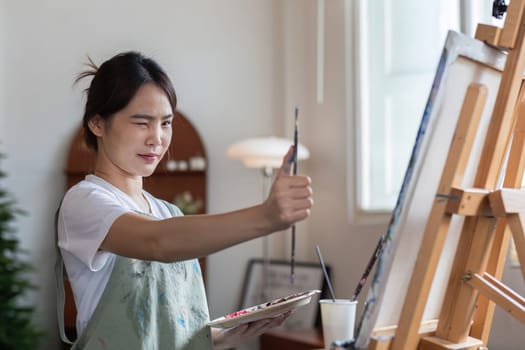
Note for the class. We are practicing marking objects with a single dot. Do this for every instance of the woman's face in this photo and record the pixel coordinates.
(135, 139)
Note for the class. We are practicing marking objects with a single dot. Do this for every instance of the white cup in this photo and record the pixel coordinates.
(338, 319)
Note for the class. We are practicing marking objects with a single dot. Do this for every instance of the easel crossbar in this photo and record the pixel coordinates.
(500, 294)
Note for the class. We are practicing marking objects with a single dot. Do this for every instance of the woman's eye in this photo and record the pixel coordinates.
(166, 123)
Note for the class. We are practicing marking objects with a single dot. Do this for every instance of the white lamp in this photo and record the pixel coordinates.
(265, 153)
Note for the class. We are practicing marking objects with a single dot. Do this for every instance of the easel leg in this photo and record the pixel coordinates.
(437, 225)
(482, 321)
(460, 300)
(515, 171)
(516, 223)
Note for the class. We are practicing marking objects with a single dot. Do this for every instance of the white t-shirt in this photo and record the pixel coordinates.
(87, 212)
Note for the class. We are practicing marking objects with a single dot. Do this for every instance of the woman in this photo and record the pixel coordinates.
(131, 258)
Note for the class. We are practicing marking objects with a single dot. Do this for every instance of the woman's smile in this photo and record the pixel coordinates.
(150, 157)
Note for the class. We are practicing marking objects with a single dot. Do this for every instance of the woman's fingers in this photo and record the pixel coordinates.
(289, 201)
(292, 193)
(290, 197)
(259, 327)
(240, 334)
(287, 164)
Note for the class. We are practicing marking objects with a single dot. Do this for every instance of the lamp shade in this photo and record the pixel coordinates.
(264, 152)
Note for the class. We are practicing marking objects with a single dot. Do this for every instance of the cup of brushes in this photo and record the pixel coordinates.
(338, 315)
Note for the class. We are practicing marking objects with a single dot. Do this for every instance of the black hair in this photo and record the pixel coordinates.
(116, 82)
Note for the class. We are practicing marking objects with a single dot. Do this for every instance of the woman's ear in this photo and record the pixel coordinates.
(96, 125)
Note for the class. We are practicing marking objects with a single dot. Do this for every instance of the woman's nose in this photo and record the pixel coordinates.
(155, 135)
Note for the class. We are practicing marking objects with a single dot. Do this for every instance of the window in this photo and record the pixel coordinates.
(397, 45)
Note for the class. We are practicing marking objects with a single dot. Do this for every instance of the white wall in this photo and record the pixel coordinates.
(239, 67)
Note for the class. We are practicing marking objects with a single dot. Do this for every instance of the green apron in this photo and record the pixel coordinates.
(146, 305)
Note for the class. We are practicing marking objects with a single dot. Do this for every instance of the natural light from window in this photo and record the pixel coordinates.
(399, 44)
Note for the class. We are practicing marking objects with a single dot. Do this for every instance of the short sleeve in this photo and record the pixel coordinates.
(85, 217)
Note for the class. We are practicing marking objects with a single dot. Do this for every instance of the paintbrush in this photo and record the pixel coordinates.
(295, 146)
(371, 262)
(325, 272)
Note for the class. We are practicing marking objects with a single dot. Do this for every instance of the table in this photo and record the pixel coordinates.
(296, 339)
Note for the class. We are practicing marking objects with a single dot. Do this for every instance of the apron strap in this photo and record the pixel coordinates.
(174, 210)
(61, 295)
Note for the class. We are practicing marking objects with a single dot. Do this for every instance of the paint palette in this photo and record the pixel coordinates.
(267, 310)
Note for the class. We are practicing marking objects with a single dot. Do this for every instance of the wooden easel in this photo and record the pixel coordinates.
(489, 215)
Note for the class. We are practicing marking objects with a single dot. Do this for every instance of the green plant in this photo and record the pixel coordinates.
(17, 330)
(187, 204)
